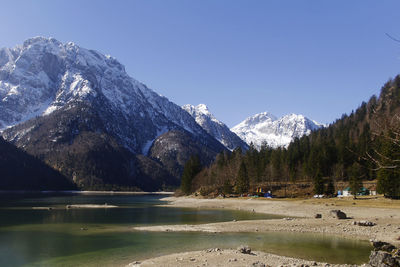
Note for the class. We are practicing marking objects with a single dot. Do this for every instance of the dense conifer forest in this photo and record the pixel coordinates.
(21, 171)
(362, 146)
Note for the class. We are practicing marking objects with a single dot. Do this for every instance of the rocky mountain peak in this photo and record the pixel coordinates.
(61, 98)
(265, 128)
(44, 75)
(214, 127)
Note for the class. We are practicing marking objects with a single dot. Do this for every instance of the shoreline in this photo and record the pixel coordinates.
(75, 192)
(229, 258)
(300, 218)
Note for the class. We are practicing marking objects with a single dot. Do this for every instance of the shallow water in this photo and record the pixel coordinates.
(104, 237)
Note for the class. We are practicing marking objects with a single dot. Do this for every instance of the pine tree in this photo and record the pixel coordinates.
(242, 180)
(318, 184)
(276, 161)
(330, 188)
(191, 168)
(227, 187)
(388, 183)
(389, 174)
(355, 179)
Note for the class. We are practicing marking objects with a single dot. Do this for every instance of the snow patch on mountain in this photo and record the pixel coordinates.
(148, 144)
(266, 129)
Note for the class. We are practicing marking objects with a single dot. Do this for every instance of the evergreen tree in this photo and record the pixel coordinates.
(389, 183)
(318, 184)
(389, 173)
(355, 179)
(276, 161)
(191, 168)
(220, 159)
(330, 188)
(227, 188)
(242, 180)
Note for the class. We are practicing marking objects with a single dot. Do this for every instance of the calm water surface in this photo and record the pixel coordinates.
(104, 237)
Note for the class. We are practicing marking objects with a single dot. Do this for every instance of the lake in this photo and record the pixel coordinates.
(104, 237)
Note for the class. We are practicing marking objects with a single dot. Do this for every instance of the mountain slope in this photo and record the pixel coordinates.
(214, 127)
(21, 171)
(53, 94)
(265, 128)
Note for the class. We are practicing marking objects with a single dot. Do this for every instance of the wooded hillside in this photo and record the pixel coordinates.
(364, 145)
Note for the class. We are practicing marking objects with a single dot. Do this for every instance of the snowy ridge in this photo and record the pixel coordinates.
(43, 76)
(214, 127)
(265, 128)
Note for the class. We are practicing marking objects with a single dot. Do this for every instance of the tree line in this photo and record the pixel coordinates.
(364, 145)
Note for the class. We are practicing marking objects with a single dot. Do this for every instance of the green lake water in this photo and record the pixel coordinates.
(104, 237)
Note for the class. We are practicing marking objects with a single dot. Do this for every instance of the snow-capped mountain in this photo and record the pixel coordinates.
(265, 128)
(53, 93)
(214, 127)
(44, 75)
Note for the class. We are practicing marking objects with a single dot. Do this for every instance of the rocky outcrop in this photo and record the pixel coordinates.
(384, 255)
(244, 249)
(364, 223)
(338, 214)
(384, 246)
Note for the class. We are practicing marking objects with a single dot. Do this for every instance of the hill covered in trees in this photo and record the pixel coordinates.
(364, 145)
(21, 171)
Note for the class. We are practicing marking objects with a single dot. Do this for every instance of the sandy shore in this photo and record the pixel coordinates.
(226, 257)
(300, 217)
(90, 206)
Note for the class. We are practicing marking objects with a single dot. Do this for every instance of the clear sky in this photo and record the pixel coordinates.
(319, 58)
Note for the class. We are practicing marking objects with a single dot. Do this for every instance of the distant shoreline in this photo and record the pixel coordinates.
(69, 192)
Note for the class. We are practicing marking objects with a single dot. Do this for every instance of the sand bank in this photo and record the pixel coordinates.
(300, 217)
(90, 206)
(226, 257)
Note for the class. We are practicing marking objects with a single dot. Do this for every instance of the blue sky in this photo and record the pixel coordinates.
(317, 58)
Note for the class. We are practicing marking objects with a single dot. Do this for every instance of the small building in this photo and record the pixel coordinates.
(346, 192)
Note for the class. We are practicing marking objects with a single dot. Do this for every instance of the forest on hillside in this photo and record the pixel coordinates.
(362, 146)
(21, 171)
